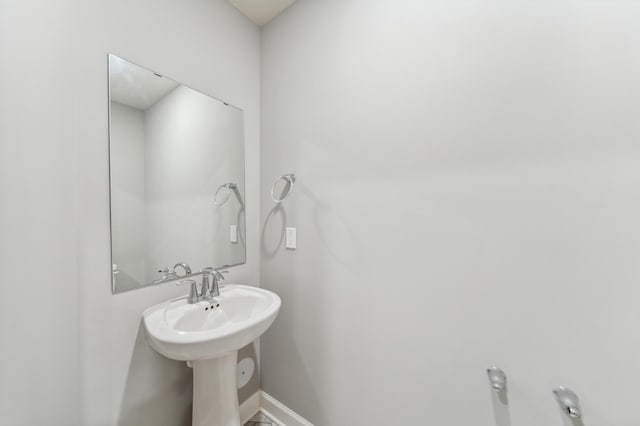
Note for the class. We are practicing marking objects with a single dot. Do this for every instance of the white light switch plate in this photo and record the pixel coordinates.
(233, 234)
(291, 239)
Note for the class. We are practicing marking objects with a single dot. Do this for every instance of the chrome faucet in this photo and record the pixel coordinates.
(187, 269)
(204, 286)
(216, 277)
(193, 297)
(208, 289)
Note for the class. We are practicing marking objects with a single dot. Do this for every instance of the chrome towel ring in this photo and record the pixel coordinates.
(290, 180)
(220, 200)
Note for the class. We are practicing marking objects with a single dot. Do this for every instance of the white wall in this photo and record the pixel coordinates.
(467, 194)
(126, 151)
(194, 144)
(39, 353)
(71, 352)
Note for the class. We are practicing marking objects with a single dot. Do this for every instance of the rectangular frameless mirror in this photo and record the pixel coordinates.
(176, 176)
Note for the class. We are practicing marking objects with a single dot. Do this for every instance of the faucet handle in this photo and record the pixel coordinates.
(193, 297)
(222, 277)
(167, 273)
(216, 274)
(204, 287)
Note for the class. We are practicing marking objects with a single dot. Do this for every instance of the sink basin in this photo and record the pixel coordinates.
(209, 334)
(205, 330)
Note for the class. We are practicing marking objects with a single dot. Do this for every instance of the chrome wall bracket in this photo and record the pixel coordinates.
(289, 180)
(223, 193)
(569, 401)
(497, 378)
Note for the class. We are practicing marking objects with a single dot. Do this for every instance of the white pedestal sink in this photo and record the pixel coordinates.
(209, 334)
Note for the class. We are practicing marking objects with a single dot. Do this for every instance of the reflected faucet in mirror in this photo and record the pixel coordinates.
(171, 274)
(184, 266)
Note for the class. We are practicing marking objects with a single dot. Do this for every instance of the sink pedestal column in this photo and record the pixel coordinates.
(215, 393)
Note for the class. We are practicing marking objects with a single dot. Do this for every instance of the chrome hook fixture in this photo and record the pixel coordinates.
(218, 201)
(569, 401)
(290, 180)
(497, 378)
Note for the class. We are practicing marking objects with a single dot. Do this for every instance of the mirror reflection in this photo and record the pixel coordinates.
(177, 177)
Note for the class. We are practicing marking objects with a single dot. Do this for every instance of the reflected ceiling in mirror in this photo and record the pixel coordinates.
(176, 159)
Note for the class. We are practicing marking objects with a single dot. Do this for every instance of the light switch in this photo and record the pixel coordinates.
(233, 234)
(291, 240)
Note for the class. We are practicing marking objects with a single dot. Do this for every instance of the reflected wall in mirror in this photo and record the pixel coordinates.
(177, 177)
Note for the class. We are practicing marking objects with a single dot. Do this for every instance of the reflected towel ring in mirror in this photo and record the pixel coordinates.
(219, 199)
(289, 180)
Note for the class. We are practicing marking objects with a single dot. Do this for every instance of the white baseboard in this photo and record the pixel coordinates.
(280, 413)
(272, 408)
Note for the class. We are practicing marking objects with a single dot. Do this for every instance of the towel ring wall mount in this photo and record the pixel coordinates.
(290, 180)
(219, 200)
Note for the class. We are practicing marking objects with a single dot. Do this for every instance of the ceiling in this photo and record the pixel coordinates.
(261, 11)
(137, 87)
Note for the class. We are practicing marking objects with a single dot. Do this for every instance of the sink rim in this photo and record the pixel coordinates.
(162, 332)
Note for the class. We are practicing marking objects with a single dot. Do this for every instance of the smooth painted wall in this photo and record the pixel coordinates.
(73, 354)
(467, 195)
(127, 165)
(39, 306)
(194, 145)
